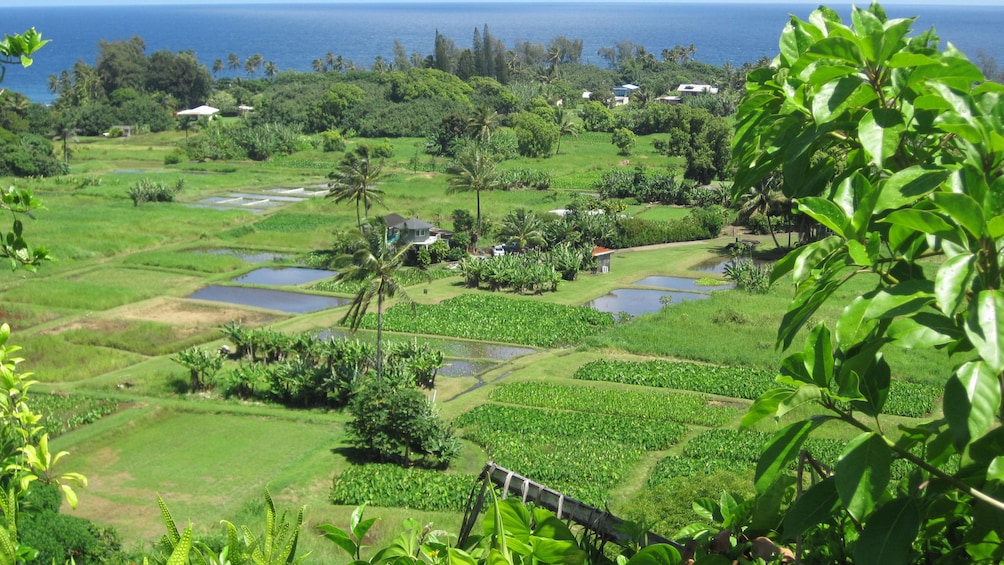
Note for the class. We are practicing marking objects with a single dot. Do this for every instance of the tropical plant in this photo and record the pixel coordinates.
(473, 170)
(522, 228)
(375, 265)
(356, 180)
(896, 149)
(565, 126)
(202, 366)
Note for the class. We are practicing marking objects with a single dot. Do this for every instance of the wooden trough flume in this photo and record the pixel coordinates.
(604, 525)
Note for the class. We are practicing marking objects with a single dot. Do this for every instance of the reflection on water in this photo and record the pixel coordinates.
(248, 256)
(680, 283)
(282, 276)
(284, 301)
(635, 301)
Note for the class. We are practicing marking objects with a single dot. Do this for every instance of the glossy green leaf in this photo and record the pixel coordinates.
(963, 210)
(659, 554)
(456, 556)
(908, 185)
(781, 450)
(818, 356)
(889, 533)
(972, 402)
(995, 471)
(903, 299)
(805, 394)
(708, 509)
(829, 103)
(852, 324)
(904, 59)
(926, 329)
(952, 281)
(879, 131)
(546, 550)
(985, 328)
(340, 538)
(835, 48)
(862, 474)
(874, 384)
(924, 222)
(765, 406)
(816, 506)
(825, 212)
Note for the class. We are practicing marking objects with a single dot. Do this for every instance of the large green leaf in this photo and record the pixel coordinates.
(908, 185)
(765, 406)
(880, 131)
(964, 210)
(889, 533)
(952, 281)
(781, 450)
(815, 506)
(972, 402)
(985, 328)
(862, 474)
(927, 329)
(924, 222)
(904, 299)
(829, 103)
(659, 554)
(825, 212)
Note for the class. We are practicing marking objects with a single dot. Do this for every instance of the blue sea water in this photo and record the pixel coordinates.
(293, 35)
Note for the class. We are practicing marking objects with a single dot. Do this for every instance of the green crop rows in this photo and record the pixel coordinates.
(61, 414)
(905, 398)
(393, 486)
(580, 454)
(496, 318)
(654, 405)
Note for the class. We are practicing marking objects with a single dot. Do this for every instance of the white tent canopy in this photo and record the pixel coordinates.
(199, 111)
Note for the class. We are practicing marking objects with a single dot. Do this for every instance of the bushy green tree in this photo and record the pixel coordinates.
(536, 136)
(896, 148)
(624, 139)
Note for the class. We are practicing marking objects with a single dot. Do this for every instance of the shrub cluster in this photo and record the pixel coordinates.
(147, 190)
(643, 185)
(749, 276)
(522, 178)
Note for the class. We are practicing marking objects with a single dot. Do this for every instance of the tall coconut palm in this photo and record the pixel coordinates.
(374, 264)
(481, 124)
(318, 66)
(473, 170)
(763, 198)
(565, 126)
(523, 228)
(270, 69)
(356, 179)
(217, 67)
(233, 62)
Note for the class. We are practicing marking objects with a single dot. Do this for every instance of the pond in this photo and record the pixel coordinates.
(635, 301)
(248, 256)
(462, 368)
(680, 283)
(718, 265)
(281, 300)
(283, 276)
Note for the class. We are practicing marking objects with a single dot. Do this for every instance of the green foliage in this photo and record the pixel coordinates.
(749, 276)
(578, 453)
(496, 318)
(59, 538)
(332, 140)
(684, 408)
(522, 178)
(905, 399)
(62, 413)
(915, 173)
(596, 117)
(19, 202)
(393, 486)
(148, 190)
(394, 423)
(624, 139)
(28, 155)
(643, 184)
(293, 222)
(202, 366)
(535, 136)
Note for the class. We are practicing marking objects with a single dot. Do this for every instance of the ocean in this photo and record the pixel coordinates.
(293, 35)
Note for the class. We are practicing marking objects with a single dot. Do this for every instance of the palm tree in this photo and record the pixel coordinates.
(233, 62)
(481, 124)
(565, 126)
(66, 134)
(329, 61)
(374, 264)
(318, 66)
(763, 198)
(524, 228)
(270, 69)
(473, 170)
(355, 180)
(217, 67)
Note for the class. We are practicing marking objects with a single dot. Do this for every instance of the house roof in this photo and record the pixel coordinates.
(630, 86)
(597, 251)
(697, 88)
(418, 224)
(393, 220)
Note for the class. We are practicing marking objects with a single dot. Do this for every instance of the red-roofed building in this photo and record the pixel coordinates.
(602, 256)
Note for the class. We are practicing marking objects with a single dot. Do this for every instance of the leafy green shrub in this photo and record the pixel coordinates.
(173, 158)
(393, 486)
(624, 139)
(63, 413)
(147, 190)
(332, 140)
(521, 178)
(59, 537)
(749, 276)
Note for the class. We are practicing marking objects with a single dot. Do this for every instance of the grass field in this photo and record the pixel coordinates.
(106, 317)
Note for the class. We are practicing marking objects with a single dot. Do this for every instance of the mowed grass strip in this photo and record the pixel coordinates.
(205, 466)
(187, 261)
(141, 336)
(53, 359)
(100, 289)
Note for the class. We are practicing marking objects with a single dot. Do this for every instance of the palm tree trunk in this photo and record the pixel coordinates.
(379, 336)
(359, 219)
(478, 234)
(770, 228)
